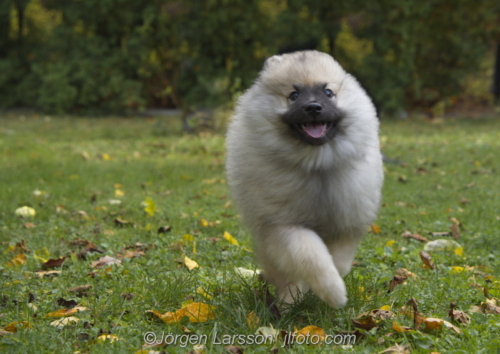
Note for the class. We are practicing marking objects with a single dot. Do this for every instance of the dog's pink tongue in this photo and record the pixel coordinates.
(315, 130)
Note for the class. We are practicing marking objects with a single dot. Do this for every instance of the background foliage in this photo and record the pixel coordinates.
(108, 56)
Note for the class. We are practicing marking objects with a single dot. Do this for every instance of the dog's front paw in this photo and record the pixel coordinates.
(334, 293)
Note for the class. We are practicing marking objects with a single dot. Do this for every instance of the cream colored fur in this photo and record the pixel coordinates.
(306, 206)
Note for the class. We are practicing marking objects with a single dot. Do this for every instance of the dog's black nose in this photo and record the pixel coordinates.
(313, 109)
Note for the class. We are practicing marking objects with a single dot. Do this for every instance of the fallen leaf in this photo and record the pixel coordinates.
(403, 272)
(247, 273)
(63, 312)
(267, 331)
(149, 206)
(53, 263)
(66, 303)
(122, 223)
(398, 328)
(310, 331)
(440, 234)
(397, 349)
(433, 323)
(189, 263)
(233, 349)
(252, 320)
(42, 273)
(105, 261)
(427, 260)
(28, 225)
(416, 237)
(396, 281)
(81, 290)
(18, 260)
(195, 311)
(457, 315)
(203, 293)
(164, 229)
(62, 322)
(119, 193)
(454, 231)
(227, 236)
(452, 327)
(375, 229)
(444, 245)
(25, 211)
(107, 337)
(13, 327)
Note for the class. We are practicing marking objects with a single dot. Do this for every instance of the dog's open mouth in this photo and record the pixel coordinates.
(315, 133)
(316, 129)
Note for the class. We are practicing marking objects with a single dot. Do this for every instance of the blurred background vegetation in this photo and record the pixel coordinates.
(96, 57)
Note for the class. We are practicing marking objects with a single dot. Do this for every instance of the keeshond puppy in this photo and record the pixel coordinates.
(305, 170)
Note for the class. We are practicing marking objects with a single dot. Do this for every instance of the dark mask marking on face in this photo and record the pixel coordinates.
(313, 116)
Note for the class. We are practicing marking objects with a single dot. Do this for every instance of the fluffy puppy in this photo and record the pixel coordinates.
(305, 170)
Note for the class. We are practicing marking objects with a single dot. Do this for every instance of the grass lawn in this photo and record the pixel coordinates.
(105, 187)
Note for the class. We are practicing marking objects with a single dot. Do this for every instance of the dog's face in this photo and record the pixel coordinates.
(312, 115)
(305, 85)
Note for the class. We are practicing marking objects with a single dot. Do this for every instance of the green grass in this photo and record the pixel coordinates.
(447, 170)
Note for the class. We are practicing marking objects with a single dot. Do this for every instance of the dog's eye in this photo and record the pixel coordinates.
(329, 93)
(294, 95)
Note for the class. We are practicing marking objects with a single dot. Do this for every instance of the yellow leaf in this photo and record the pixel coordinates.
(42, 255)
(63, 312)
(189, 263)
(25, 211)
(203, 222)
(253, 320)
(386, 308)
(375, 229)
(310, 331)
(105, 157)
(195, 311)
(107, 337)
(230, 238)
(10, 248)
(457, 269)
(399, 328)
(119, 193)
(390, 243)
(203, 293)
(188, 238)
(150, 206)
(17, 260)
(433, 323)
(14, 326)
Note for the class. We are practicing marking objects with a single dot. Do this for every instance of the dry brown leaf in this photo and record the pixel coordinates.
(454, 231)
(457, 315)
(396, 281)
(417, 237)
(81, 290)
(53, 263)
(403, 272)
(105, 261)
(427, 260)
(233, 349)
(42, 273)
(397, 349)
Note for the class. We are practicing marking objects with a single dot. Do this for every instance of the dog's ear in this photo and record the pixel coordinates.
(271, 61)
